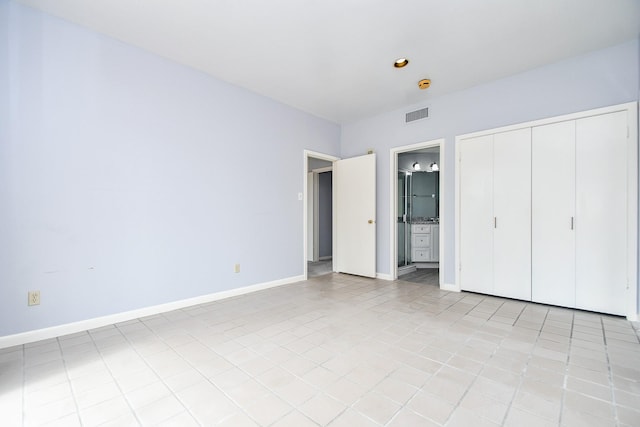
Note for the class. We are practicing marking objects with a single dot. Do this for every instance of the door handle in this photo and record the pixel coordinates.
(495, 222)
(370, 221)
(572, 223)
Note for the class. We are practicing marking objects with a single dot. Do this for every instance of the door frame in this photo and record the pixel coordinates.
(314, 200)
(307, 154)
(393, 226)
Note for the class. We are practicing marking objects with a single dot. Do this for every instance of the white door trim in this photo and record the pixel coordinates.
(393, 226)
(314, 197)
(305, 202)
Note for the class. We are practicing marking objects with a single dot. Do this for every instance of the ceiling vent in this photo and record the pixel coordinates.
(417, 115)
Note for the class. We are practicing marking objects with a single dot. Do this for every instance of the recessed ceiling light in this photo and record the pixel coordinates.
(401, 62)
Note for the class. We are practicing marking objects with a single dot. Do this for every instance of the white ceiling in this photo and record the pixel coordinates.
(334, 58)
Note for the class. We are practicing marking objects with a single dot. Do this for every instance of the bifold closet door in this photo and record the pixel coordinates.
(476, 214)
(601, 213)
(512, 214)
(553, 214)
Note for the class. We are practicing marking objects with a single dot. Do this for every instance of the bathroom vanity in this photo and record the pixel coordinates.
(425, 239)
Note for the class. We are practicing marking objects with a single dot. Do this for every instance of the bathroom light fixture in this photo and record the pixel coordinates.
(434, 167)
(416, 166)
(401, 63)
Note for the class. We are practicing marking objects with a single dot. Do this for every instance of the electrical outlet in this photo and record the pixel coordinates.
(33, 298)
(236, 268)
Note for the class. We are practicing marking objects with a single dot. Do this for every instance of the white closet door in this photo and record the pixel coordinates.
(601, 213)
(512, 214)
(553, 212)
(476, 214)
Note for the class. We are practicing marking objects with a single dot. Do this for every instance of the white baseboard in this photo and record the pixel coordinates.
(97, 322)
(384, 276)
(634, 317)
(452, 287)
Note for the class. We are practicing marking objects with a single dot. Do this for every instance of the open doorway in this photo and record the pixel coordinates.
(318, 202)
(416, 227)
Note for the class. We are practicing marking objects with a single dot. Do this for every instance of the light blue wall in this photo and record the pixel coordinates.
(598, 79)
(128, 180)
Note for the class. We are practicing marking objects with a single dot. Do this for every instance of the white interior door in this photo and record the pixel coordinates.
(354, 189)
(553, 212)
(476, 214)
(601, 213)
(512, 214)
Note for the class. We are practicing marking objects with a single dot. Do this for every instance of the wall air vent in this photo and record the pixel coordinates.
(417, 115)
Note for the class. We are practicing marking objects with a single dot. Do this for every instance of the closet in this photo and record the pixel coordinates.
(579, 229)
(547, 211)
(495, 247)
(553, 214)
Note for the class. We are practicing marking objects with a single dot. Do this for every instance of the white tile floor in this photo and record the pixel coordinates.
(339, 351)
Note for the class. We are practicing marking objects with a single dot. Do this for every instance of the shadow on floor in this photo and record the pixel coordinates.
(424, 276)
(319, 268)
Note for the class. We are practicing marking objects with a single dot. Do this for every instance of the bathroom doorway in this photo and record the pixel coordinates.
(417, 212)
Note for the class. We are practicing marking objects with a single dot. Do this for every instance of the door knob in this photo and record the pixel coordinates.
(370, 221)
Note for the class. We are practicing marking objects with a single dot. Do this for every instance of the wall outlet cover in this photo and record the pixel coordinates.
(33, 298)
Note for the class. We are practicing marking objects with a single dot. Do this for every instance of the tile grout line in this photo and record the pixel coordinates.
(484, 366)
(566, 370)
(417, 390)
(24, 383)
(636, 329)
(351, 406)
(610, 374)
(113, 377)
(295, 407)
(162, 378)
(363, 304)
(66, 373)
(222, 391)
(524, 370)
(524, 306)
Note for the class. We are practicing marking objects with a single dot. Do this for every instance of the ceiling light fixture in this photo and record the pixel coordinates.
(434, 167)
(401, 62)
(416, 166)
(424, 83)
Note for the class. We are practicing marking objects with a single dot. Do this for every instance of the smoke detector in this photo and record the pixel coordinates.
(424, 83)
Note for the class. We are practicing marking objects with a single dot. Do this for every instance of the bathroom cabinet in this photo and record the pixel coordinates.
(425, 242)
